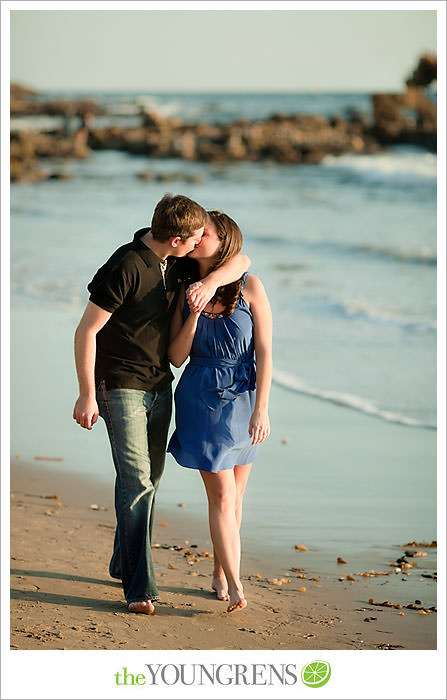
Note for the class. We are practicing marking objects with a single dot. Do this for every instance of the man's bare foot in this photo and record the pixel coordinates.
(220, 586)
(238, 604)
(142, 606)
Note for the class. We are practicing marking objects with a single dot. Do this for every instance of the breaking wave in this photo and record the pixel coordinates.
(288, 381)
(399, 166)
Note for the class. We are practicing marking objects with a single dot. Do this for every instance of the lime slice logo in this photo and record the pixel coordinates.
(316, 674)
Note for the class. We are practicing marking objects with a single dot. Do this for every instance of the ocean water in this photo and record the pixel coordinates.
(347, 252)
(124, 108)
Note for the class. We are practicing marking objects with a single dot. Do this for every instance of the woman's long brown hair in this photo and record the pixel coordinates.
(230, 234)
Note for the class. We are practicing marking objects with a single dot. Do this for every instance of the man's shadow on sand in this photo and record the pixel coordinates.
(95, 604)
(65, 577)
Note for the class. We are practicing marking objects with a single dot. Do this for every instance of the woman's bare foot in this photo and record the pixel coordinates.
(238, 604)
(237, 600)
(220, 586)
(142, 606)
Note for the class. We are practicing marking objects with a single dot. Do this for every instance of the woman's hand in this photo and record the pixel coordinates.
(259, 427)
(199, 294)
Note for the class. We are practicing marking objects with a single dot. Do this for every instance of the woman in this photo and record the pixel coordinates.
(221, 400)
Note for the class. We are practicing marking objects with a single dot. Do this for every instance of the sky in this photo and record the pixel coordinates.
(219, 51)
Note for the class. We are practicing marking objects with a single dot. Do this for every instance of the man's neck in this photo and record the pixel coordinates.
(161, 248)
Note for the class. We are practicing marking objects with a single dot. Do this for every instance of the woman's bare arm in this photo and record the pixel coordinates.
(182, 334)
(256, 297)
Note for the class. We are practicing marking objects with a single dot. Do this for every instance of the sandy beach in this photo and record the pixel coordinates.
(63, 598)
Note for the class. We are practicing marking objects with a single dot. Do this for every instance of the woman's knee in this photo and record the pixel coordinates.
(223, 499)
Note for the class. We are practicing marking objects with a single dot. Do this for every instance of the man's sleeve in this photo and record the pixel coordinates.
(111, 285)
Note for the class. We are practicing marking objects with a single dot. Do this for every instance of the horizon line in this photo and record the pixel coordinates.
(204, 91)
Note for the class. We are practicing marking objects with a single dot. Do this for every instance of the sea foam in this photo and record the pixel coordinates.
(292, 383)
(399, 166)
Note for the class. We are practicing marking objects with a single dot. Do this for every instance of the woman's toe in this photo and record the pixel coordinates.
(237, 605)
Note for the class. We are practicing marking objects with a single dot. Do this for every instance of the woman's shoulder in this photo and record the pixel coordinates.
(252, 283)
(253, 288)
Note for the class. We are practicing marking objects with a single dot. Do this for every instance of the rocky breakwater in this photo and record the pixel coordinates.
(281, 138)
(408, 117)
(28, 147)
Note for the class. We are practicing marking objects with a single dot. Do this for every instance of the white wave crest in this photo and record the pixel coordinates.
(288, 381)
(167, 107)
(363, 309)
(424, 255)
(400, 166)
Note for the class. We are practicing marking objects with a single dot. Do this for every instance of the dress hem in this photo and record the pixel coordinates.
(208, 469)
(204, 469)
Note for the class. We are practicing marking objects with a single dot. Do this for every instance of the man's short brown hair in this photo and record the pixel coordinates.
(177, 215)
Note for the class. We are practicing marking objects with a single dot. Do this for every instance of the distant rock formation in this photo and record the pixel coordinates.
(19, 97)
(29, 148)
(409, 117)
(300, 139)
(26, 102)
(425, 72)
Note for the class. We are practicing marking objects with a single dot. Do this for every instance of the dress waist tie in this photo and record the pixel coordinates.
(242, 379)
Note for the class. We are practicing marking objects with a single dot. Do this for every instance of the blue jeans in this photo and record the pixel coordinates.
(137, 423)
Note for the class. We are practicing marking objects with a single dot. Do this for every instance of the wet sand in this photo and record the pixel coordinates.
(63, 598)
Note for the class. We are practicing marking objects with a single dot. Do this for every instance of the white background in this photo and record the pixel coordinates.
(355, 674)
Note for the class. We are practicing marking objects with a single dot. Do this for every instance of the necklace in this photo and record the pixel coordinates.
(163, 266)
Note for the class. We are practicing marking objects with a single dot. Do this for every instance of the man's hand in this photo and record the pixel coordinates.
(86, 412)
(199, 294)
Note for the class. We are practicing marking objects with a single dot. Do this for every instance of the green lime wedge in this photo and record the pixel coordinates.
(316, 674)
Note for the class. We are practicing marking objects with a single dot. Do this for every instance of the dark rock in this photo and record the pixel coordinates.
(391, 125)
(425, 72)
(152, 118)
(148, 176)
(188, 146)
(21, 92)
(26, 170)
(59, 176)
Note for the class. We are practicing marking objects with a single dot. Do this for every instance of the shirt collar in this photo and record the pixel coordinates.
(146, 253)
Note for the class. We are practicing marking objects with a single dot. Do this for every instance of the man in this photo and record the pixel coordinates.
(124, 375)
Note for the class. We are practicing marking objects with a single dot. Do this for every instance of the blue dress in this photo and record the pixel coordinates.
(216, 394)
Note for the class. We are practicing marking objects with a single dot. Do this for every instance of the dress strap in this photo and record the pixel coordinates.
(243, 278)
